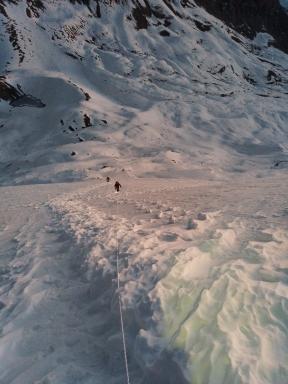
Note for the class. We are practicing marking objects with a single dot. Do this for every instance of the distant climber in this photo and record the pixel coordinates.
(107, 179)
(87, 121)
(117, 186)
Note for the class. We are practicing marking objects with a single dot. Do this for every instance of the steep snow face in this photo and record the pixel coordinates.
(153, 88)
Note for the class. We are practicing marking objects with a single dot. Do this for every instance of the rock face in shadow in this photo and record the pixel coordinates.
(7, 91)
(16, 97)
(249, 17)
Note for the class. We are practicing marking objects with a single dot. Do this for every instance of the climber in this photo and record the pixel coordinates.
(117, 186)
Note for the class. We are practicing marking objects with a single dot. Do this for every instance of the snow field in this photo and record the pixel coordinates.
(210, 297)
(203, 236)
(157, 107)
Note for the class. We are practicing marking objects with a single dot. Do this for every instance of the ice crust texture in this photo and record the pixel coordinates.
(190, 115)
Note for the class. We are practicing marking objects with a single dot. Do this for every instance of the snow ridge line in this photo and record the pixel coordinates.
(120, 305)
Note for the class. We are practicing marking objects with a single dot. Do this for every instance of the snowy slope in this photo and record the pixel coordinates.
(203, 98)
(191, 117)
(203, 277)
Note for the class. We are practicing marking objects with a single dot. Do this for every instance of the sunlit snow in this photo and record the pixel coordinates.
(193, 124)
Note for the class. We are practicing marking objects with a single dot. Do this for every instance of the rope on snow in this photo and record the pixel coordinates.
(120, 306)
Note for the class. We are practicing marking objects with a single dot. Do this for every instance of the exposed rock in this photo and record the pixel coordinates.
(202, 27)
(164, 33)
(249, 17)
(273, 77)
(87, 96)
(34, 7)
(7, 91)
(16, 97)
(140, 14)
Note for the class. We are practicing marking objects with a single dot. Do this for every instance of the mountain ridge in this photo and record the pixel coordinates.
(185, 90)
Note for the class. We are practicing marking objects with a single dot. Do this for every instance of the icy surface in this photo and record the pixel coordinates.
(194, 126)
(204, 289)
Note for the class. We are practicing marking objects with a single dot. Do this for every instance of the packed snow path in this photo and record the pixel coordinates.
(203, 281)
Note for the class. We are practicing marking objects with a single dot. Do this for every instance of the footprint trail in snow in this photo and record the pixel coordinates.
(205, 290)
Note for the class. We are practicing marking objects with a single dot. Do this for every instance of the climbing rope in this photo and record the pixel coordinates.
(120, 305)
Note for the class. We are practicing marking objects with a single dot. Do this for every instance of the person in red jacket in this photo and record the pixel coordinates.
(117, 186)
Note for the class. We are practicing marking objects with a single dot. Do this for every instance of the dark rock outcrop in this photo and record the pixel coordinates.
(249, 17)
(16, 97)
(8, 92)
